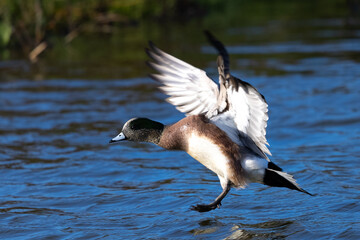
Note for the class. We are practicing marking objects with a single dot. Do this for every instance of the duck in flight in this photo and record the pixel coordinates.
(224, 128)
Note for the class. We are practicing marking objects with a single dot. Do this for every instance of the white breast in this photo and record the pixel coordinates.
(208, 154)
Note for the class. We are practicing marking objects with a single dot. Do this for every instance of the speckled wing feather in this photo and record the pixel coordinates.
(189, 88)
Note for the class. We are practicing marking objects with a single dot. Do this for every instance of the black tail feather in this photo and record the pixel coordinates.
(276, 178)
(273, 166)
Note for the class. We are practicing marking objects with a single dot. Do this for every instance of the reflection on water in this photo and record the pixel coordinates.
(279, 229)
(264, 230)
(61, 179)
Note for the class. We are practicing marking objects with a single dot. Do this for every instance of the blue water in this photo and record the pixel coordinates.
(60, 179)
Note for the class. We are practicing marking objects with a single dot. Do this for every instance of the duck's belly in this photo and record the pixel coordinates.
(208, 153)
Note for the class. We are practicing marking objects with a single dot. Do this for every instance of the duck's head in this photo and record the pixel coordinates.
(140, 130)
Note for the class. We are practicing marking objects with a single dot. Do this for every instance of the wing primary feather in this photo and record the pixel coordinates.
(189, 89)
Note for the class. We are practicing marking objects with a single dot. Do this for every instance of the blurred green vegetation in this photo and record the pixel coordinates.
(28, 22)
(30, 25)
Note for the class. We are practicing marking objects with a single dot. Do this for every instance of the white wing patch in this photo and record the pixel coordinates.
(245, 120)
(239, 107)
(250, 113)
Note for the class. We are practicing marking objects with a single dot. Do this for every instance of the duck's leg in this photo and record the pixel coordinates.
(215, 204)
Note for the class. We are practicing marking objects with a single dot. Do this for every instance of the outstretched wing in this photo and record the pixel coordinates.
(246, 106)
(189, 88)
(237, 108)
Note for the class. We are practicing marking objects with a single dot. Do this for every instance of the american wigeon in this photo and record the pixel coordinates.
(224, 128)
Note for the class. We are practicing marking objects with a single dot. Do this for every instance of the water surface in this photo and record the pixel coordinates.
(61, 179)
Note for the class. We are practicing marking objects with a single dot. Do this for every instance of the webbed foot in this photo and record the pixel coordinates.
(215, 204)
(205, 207)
